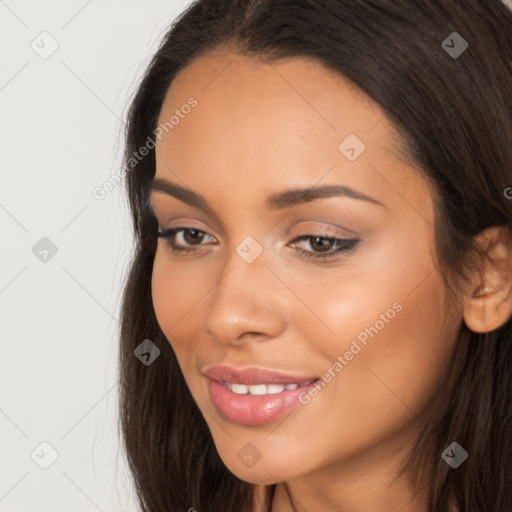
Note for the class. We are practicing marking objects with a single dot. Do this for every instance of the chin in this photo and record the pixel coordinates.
(266, 471)
(260, 476)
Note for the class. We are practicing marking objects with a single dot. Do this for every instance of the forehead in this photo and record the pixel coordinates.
(298, 90)
(268, 124)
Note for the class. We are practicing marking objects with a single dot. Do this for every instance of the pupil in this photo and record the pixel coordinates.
(193, 232)
(322, 246)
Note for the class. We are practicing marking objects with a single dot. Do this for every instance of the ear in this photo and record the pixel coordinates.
(488, 301)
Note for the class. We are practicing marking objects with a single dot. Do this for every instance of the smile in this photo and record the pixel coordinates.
(261, 389)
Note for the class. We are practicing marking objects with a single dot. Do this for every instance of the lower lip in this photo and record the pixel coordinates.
(253, 409)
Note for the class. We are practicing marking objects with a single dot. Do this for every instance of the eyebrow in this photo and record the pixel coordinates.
(276, 201)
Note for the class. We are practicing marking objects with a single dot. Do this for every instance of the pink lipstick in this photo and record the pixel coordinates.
(254, 396)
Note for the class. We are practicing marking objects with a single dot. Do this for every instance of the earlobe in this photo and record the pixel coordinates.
(488, 303)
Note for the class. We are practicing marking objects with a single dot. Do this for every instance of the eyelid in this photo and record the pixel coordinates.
(331, 217)
(181, 222)
(312, 228)
(186, 214)
(327, 230)
(172, 231)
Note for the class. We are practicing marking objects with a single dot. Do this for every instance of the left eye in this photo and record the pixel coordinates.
(343, 246)
(194, 238)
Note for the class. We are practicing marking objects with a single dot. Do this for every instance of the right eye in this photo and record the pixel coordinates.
(186, 236)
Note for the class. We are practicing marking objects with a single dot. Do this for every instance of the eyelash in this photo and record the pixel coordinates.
(346, 245)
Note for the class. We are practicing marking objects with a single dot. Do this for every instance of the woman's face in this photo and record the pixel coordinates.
(256, 291)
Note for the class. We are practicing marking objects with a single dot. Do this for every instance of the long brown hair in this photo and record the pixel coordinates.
(454, 115)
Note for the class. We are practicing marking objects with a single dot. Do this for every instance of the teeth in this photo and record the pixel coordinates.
(259, 389)
(275, 388)
(239, 389)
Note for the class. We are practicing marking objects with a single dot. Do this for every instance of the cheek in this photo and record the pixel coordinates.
(176, 297)
(389, 383)
(391, 326)
(385, 317)
(389, 282)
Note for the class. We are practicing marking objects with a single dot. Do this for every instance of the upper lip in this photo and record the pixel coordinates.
(252, 376)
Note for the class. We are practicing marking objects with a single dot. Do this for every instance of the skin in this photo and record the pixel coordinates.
(260, 129)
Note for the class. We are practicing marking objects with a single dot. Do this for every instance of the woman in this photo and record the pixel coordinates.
(317, 315)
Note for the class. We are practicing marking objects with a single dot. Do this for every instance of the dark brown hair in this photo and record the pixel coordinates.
(454, 116)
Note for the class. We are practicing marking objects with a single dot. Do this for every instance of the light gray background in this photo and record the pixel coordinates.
(61, 127)
(61, 132)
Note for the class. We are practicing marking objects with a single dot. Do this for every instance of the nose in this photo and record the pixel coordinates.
(247, 302)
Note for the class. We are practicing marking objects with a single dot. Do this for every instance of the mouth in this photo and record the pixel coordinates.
(255, 396)
(263, 389)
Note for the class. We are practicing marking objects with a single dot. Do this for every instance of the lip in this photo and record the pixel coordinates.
(251, 376)
(257, 409)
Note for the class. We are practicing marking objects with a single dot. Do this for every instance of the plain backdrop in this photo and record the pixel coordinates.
(64, 253)
(68, 70)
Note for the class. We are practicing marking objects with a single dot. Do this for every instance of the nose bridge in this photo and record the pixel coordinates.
(242, 300)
